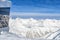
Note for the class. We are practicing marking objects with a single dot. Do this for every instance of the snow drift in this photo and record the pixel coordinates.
(32, 28)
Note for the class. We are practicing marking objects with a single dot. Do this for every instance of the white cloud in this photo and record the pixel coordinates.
(34, 14)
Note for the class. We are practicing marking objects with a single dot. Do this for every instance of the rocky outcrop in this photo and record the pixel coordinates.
(4, 20)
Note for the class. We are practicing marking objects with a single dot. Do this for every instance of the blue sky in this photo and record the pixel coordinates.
(36, 6)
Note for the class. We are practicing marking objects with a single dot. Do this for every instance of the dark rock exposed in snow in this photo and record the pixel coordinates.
(4, 20)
